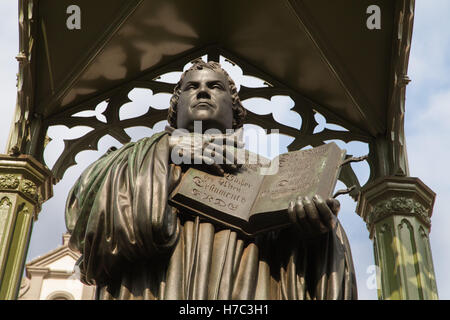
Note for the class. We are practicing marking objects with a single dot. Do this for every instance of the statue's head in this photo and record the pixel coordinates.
(206, 93)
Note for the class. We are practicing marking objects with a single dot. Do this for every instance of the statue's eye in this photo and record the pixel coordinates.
(216, 85)
(190, 86)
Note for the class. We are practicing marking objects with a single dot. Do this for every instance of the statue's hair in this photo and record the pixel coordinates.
(239, 112)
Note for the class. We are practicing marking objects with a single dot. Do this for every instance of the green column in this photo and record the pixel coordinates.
(397, 211)
(24, 185)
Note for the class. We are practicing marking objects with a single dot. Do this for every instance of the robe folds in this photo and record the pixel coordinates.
(134, 245)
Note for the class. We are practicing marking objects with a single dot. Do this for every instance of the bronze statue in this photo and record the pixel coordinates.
(135, 245)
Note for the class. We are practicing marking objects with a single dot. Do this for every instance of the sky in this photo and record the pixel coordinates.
(427, 129)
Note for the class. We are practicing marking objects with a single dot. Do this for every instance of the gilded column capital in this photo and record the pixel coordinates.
(399, 205)
(15, 182)
(394, 195)
(9, 182)
(25, 176)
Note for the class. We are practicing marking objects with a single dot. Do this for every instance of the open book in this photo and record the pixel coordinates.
(251, 202)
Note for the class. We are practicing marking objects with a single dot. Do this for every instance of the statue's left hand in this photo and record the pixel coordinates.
(315, 216)
(215, 152)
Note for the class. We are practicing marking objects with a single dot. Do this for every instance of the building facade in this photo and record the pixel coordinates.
(53, 276)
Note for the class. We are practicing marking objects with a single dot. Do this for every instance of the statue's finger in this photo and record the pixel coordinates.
(325, 213)
(230, 155)
(218, 149)
(217, 169)
(215, 152)
(291, 212)
(300, 211)
(334, 205)
(202, 159)
(313, 215)
(232, 168)
(233, 141)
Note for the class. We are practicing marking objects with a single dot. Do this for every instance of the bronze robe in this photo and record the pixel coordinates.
(136, 246)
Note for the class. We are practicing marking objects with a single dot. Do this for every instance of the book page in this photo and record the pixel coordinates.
(304, 172)
(232, 194)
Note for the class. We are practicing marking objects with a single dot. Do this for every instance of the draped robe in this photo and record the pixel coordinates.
(134, 245)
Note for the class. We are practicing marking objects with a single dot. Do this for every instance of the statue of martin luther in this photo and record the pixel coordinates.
(134, 245)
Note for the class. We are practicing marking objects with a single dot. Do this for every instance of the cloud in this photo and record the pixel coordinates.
(428, 122)
(8, 66)
(428, 141)
(431, 43)
(435, 115)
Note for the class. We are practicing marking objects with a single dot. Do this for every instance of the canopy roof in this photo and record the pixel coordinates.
(319, 49)
(322, 49)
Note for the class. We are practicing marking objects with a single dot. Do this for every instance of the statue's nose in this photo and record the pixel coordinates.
(203, 93)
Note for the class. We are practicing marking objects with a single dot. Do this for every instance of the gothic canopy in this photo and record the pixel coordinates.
(346, 59)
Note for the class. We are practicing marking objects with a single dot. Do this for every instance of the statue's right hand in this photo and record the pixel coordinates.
(216, 152)
(313, 217)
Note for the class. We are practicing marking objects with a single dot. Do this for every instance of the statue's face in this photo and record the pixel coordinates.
(205, 95)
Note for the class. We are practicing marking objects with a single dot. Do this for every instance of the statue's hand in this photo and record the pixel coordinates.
(313, 217)
(215, 152)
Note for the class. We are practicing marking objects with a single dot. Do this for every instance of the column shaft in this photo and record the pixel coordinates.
(24, 185)
(397, 211)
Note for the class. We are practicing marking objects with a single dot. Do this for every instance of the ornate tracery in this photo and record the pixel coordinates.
(112, 124)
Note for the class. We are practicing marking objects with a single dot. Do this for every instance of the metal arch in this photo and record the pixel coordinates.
(119, 96)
